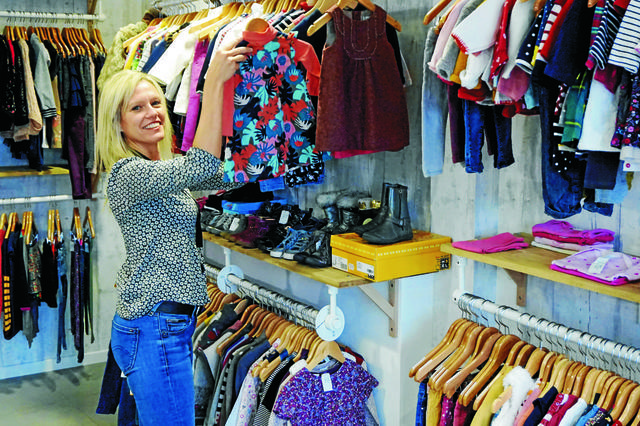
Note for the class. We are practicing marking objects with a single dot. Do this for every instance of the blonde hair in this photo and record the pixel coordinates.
(111, 145)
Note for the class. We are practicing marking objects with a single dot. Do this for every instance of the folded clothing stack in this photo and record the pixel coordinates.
(601, 265)
(559, 235)
(500, 242)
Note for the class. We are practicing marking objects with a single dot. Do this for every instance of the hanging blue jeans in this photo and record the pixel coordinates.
(481, 121)
(561, 192)
(155, 354)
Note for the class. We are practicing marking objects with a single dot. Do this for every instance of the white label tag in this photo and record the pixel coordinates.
(339, 262)
(598, 265)
(327, 386)
(234, 224)
(365, 268)
(284, 217)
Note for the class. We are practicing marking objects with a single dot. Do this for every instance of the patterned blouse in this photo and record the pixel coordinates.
(340, 398)
(269, 118)
(157, 217)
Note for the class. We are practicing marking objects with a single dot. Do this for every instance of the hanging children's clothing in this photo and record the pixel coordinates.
(268, 116)
(361, 105)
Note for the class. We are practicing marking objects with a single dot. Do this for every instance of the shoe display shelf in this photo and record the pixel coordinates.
(10, 172)
(536, 261)
(334, 278)
(329, 276)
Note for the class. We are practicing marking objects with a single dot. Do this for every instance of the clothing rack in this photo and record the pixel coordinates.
(51, 15)
(29, 200)
(588, 348)
(298, 312)
(177, 7)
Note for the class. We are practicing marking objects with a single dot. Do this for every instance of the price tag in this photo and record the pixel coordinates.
(234, 224)
(598, 265)
(284, 217)
(327, 386)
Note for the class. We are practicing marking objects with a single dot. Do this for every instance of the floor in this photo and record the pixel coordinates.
(65, 397)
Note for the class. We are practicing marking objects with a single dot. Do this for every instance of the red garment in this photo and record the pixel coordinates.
(361, 105)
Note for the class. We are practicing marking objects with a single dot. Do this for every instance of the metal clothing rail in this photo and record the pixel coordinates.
(176, 7)
(580, 346)
(43, 199)
(298, 312)
(51, 15)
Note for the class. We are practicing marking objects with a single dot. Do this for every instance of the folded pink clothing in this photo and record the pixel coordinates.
(501, 242)
(605, 266)
(561, 230)
(572, 246)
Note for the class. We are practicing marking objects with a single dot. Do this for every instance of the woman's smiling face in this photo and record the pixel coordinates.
(143, 119)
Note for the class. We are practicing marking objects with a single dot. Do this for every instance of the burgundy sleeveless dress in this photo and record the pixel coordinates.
(361, 102)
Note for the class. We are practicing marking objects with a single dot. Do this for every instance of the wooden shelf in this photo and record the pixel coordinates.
(330, 276)
(9, 172)
(535, 261)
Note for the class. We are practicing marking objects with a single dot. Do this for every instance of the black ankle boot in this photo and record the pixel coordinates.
(396, 226)
(327, 202)
(383, 211)
(347, 204)
(320, 256)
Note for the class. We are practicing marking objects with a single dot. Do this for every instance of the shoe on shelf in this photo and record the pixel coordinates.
(271, 238)
(396, 226)
(257, 227)
(379, 217)
(301, 242)
(286, 244)
(320, 257)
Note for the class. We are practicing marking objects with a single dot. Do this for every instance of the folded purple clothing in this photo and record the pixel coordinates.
(601, 265)
(561, 230)
(501, 242)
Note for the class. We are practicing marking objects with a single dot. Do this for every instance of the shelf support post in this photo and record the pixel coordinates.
(389, 308)
(520, 278)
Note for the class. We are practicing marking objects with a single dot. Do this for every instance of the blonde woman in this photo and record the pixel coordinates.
(161, 282)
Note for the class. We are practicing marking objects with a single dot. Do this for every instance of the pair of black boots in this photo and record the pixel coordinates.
(341, 210)
(392, 224)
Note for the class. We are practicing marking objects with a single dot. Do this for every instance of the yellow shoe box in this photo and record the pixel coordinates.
(421, 255)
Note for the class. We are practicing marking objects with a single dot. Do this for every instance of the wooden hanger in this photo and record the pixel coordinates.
(325, 349)
(498, 355)
(619, 401)
(4, 219)
(607, 399)
(265, 368)
(632, 408)
(482, 353)
(51, 225)
(89, 221)
(447, 349)
(225, 17)
(581, 376)
(326, 17)
(439, 347)
(435, 11)
(546, 366)
(571, 376)
(77, 227)
(535, 361)
(59, 234)
(507, 366)
(27, 229)
(224, 9)
(455, 361)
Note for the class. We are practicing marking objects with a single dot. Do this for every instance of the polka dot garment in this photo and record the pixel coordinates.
(157, 216)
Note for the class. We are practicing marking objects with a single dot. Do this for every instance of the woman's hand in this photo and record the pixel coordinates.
(225, 60)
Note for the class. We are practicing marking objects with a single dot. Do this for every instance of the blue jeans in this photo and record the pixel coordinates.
(486, 121)
(561, 192)
(156, 355)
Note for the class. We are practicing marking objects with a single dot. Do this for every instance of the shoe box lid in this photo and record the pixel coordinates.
(420, 255)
